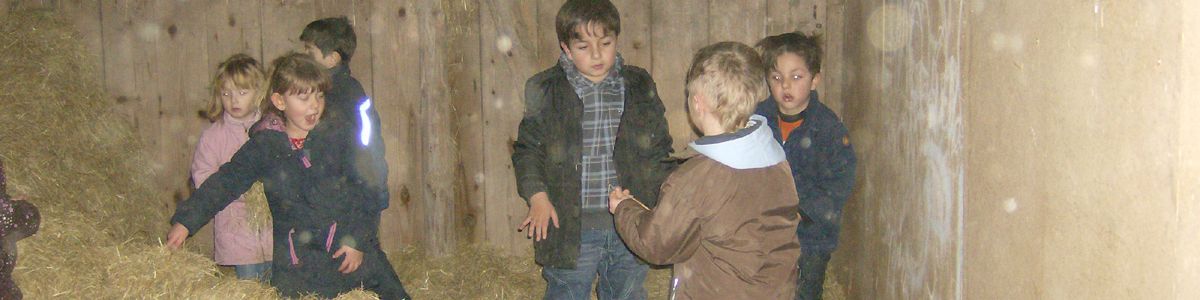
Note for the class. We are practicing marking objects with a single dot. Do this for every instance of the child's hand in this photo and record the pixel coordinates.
(353, 259)
(176, 236)
(615, 197)
(541, 213)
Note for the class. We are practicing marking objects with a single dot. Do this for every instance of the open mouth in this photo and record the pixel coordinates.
(311, 119)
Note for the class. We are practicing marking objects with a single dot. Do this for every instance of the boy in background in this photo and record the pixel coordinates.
(591, 123)
(817, 148)
(348, 150)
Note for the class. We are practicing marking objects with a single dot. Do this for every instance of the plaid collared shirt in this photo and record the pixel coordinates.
(603, 104)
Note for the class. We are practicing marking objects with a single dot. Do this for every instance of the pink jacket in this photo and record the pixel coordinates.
(235, 243)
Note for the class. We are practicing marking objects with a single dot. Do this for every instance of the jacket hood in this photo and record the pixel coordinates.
(749, 148)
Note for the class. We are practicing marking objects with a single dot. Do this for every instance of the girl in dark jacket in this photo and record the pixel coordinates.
(322, 245)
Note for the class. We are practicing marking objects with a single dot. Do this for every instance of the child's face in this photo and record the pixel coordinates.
(593, 54)
(791, 82)
(303, 110)
(327, 61)
(238, 102)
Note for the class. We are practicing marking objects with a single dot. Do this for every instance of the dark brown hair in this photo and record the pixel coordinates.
(331, 35)
(294, 73)
(586, 12)
(803, 45)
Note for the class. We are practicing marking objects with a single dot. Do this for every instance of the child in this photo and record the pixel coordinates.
(237, 93)
(317, 237)
(817, 148)
(726, 217)
(590, 123)
(19, 219)
(348, 138)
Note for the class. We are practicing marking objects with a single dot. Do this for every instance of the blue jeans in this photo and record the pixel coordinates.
(812, 266)
(601, 252)
(257, 271)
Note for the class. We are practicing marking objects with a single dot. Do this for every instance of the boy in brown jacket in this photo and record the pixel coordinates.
(727, 217)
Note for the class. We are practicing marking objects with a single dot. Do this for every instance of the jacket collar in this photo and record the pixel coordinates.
(749, 148)
(244, 125)
(342, 69)
(577, 78)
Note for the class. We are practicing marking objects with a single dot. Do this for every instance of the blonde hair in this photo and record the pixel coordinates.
(245, 73)
(294, 73)
(730, 76)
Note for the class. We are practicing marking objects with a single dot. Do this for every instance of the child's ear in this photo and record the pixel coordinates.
(334, 57)
(816, 81)
(277, 100)
(697, 104)
(566, 49)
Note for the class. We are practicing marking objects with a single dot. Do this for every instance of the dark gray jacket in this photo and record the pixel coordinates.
(546, 155)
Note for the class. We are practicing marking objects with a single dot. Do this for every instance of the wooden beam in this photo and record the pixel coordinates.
(508, 40)
(463, 73)
(394, 29)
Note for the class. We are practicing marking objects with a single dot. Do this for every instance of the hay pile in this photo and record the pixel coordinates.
(84, 168)
(476, 272)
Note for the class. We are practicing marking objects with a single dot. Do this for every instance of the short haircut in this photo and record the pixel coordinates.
(295, 73)
(245, 73)
(331, 35)
(730, 76)
(586, 12)
(803, 45)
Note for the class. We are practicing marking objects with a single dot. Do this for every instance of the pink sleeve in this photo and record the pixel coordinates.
(206, 160)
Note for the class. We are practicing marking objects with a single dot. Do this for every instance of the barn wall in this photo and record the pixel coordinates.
(1021, 149)
(158, 56)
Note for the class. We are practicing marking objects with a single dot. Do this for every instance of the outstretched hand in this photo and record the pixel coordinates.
(176, 236)
(541, 215)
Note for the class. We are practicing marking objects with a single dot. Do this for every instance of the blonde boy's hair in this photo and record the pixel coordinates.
(245, 73)
(730, 76)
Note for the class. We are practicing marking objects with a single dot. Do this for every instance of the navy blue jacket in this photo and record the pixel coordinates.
(338, 145)
(823, 163)
(303, 224)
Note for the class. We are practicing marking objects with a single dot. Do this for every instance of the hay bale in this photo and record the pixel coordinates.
(84, 167)
(258, 213)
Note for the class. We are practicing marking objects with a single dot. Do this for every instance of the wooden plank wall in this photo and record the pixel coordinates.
(158, 56)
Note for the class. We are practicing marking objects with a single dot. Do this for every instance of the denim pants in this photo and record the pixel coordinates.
(601, 253)
(812, 266)
(259, 271)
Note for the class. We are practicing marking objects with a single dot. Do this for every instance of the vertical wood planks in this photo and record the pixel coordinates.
(463, 74)
(282, 21)
(739, 21)
(508, 39)
(439, 152)
(396, 87)
(548, 49)
(679, 33)
(635, 40)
